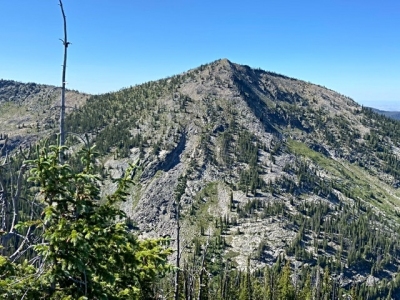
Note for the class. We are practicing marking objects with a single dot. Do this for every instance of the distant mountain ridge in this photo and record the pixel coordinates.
(390, 114)
(28, 111)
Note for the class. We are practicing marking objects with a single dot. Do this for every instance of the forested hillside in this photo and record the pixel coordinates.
(281, 189)
(391, 114)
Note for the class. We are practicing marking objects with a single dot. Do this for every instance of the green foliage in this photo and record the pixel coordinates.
(332, 163)
(247, 152)
(86, 250)
(286, 289)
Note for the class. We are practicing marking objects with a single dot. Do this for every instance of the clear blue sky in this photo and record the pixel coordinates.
(350, 46)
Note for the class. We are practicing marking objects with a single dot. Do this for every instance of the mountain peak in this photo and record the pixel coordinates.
(271, 164)
(224, 61)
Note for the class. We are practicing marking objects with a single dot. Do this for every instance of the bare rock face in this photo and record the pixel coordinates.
(274, 166)
(204, 125)
(257, 149)
(30, 111)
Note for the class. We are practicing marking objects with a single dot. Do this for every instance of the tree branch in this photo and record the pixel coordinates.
(15, 198)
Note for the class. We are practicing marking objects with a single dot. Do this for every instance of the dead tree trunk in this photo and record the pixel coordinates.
(3, 200)
(179, 192)
(62, 107)
(176, 290)
(202, 268)
(7, 231)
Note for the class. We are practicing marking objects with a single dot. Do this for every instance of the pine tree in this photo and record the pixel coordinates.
(245, 288)
(286, 289)
(84, 250)
(327, 286)
(268, 285)
(306, 292)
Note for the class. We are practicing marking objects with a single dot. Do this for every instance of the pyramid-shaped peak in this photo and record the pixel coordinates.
(224, 61)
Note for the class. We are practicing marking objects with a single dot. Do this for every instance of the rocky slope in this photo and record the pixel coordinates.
(29, 111)
(271, 166)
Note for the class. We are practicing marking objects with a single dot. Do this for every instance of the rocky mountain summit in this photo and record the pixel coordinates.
(271, 167)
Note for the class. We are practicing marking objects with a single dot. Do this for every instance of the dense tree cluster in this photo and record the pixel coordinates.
(84, 250)
(336, 230)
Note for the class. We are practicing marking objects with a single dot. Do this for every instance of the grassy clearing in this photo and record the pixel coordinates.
(372, 189)
(198, 217)
(353, 179)
(8, 113)
(299, 148)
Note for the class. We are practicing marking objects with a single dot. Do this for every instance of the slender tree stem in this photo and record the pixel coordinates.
(62, 108)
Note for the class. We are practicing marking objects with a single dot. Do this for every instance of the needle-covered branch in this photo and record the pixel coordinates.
(86, 248)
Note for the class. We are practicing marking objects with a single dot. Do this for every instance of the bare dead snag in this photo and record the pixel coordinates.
(179, 192)
(18, 253)
(3, 209)
(3, 202)
(17, 194)
(15, 197)
(62, 112)
(202, 268)
(2, 149)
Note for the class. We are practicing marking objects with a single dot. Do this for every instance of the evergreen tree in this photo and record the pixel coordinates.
(245, 288)
(327, 286)
(286, 289)
(86, 250)
(306, 292)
